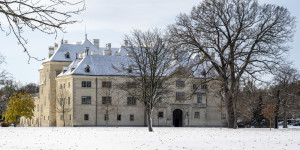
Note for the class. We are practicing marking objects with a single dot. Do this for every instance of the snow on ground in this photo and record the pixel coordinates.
(123, 138)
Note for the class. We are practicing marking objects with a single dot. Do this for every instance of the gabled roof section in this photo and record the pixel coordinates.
(99, 65)
(72, 49)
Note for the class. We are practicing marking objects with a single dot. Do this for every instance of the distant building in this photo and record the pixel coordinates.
(81, 76)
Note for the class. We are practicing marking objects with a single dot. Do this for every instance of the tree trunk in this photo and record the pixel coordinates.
(270, 123)
(277, 110)
(284, 115)
(284, 121)
(230, 112)
(149, 120)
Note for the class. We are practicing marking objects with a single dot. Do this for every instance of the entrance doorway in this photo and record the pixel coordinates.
(177, 118)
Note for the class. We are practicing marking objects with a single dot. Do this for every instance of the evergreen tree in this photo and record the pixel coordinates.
(257, 116)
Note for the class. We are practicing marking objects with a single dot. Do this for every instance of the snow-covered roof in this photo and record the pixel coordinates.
(59, 55)
(105, 65)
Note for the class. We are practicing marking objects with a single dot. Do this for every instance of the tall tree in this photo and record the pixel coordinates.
(243, 36)
(150, 57)
(45, 16)
(21, 104)
(285, 78)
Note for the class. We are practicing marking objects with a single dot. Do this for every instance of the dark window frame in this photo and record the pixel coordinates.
(199, 98)
(180, 84)
(197, 114)
(179, 95)
(119, 117)
(86, 100)
(131, 117)
(106, 84)
(86, 117)
(106, 99)
(131, 101)
(160, 114)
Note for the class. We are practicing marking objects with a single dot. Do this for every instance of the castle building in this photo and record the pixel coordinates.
(77, 88)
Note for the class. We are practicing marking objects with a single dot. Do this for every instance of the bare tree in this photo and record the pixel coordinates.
(63, 104)
(45, 16)
(269, 112)
(3, 73)
(106, 93)
(245, 38)
(285, 78)
(149, 60)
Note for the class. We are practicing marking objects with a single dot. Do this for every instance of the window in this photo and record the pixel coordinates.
(64, 85)
(44, 117)
(48, 117)
(131, 117)
(131, 101)
(106, 100)
(179, 95)
(83, 84)
(119, 117)
(69, 100)
(42, 90)
(131, 84)
(67, 55)
(60, 101)
(197, 115)
(60, 86)
(179, 83)
(88, 84)
(159, 99)
(87, 68)
(61, 117)
(203, 86)
(69, 84)
(106, 84)
(70, 117)
(86, 100)
(41, 108)
(199, 98)
(106, 117)
(86, 116)
(223, 116)
(37, 108)
(160, 114)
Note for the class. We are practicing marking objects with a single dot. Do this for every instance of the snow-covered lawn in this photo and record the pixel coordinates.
(123, 138)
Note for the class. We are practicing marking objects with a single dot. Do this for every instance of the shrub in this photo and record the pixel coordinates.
(4, 124)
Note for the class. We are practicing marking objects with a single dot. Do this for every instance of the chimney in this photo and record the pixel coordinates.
(96, 43)
(126, 42)
(108, 46)
(107, 51)
(55, 46)
(50, 51)
(65, 41)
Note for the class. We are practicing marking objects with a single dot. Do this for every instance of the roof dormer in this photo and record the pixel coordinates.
(87, 68)
(67, 55)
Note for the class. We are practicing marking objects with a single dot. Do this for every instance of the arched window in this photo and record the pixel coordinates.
(67, 55)
(87, 68)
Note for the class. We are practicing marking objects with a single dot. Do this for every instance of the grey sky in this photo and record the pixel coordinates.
(109, 20)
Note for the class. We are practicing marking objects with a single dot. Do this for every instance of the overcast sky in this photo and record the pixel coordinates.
(109, 20)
